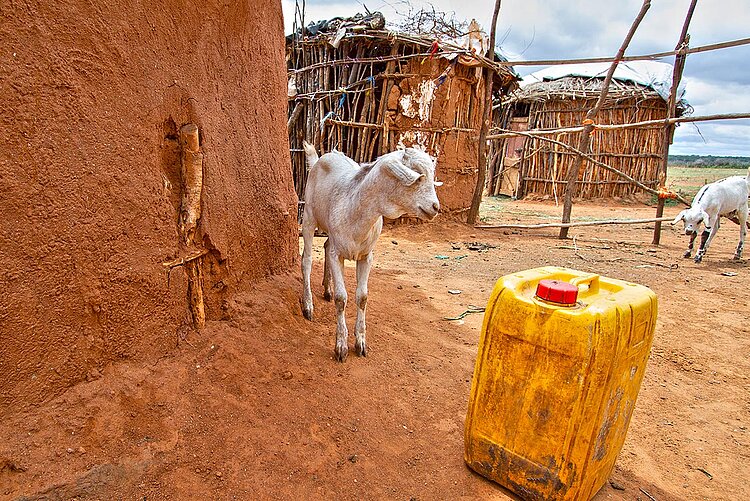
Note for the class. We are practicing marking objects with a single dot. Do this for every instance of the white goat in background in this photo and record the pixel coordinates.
(721, 198)
(348, 201)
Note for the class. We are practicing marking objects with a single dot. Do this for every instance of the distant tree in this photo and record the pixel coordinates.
(709, 161)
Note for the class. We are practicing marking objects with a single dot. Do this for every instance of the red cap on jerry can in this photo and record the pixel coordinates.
(556, 291)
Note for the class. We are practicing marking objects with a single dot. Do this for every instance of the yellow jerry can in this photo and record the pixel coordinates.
(560, 362)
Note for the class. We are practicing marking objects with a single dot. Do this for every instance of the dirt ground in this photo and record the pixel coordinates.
(256, 408)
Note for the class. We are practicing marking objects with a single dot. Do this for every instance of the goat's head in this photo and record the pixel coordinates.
(414, 173)
(692, 219)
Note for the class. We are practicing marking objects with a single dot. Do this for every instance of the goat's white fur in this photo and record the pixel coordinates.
(712, 201)
(348, 201)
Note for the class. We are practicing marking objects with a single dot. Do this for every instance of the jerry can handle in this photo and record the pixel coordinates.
(591, 281)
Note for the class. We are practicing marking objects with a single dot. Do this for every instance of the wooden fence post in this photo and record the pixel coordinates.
(588, 127)
(679, 65)
(489, 77)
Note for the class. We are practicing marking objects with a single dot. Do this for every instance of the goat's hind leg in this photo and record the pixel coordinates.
(327, 289)
(308, 232)
(336, 266)
(743, 233)
(363, 274)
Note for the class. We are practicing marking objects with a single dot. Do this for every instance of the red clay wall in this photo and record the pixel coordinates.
(93, 95)
(455, 106)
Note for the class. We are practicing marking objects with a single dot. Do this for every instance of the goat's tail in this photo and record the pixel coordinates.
(310, 153)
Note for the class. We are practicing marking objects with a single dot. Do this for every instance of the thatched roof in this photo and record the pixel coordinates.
(645, 81)
(369, 30)
(582, 88)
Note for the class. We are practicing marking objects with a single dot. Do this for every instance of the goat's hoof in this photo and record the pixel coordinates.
(686, 255)
(361, 348)
(698, 259)
(341, 353)
(737, 257)
(308, 314)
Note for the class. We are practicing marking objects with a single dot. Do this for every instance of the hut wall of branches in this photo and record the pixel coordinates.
(378, 90)
(524, 166)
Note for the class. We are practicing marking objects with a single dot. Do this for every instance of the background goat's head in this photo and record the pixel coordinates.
(413, 172)
(692, 218)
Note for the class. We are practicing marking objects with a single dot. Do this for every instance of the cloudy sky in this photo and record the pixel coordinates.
(716, 81)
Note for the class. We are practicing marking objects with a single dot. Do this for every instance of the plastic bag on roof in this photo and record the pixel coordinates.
(369, 21)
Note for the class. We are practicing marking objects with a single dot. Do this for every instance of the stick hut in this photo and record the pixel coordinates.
(366, 91)
(521, 166)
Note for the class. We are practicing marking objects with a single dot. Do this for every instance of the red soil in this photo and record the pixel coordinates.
(255, 407)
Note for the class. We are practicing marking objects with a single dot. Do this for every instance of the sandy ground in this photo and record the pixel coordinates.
(256, 408)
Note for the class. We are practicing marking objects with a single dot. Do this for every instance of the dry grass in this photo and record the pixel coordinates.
(688, 180)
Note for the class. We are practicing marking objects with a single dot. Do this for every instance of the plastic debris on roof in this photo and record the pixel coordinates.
(652, 74)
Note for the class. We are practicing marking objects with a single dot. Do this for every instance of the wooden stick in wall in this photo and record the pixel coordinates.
(190, 213)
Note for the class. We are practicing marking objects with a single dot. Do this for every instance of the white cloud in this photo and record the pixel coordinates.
(709, 98)
(725, 137)
(716, 138)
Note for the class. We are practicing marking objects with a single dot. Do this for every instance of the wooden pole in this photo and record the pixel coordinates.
(644, 57)
(571, 225)
(489, 77)
(448, 49)
(572, 177)
(646, 123)
(382, 119)
(190, 213)
(293, 118)
(679, 65)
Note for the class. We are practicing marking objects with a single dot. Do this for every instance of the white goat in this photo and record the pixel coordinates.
(348, 201)
(712, 201)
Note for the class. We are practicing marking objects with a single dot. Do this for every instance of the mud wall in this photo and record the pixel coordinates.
(94, 95)
(444, 118)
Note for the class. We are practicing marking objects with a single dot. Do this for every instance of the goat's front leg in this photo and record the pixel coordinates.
(336, 267)
(363, 274)
(327, 293)
(308, 232)
(706, 237)
(743, 232)
(689, 250)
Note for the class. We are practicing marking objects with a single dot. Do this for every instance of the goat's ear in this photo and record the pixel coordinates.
(679, 217)
(401, 172)
(706, 220)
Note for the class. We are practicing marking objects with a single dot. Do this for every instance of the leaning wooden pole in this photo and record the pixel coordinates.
(489, 77)
(679, 65)
(588, 126)
(662, 122)
(190, 213)
(569, 225)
